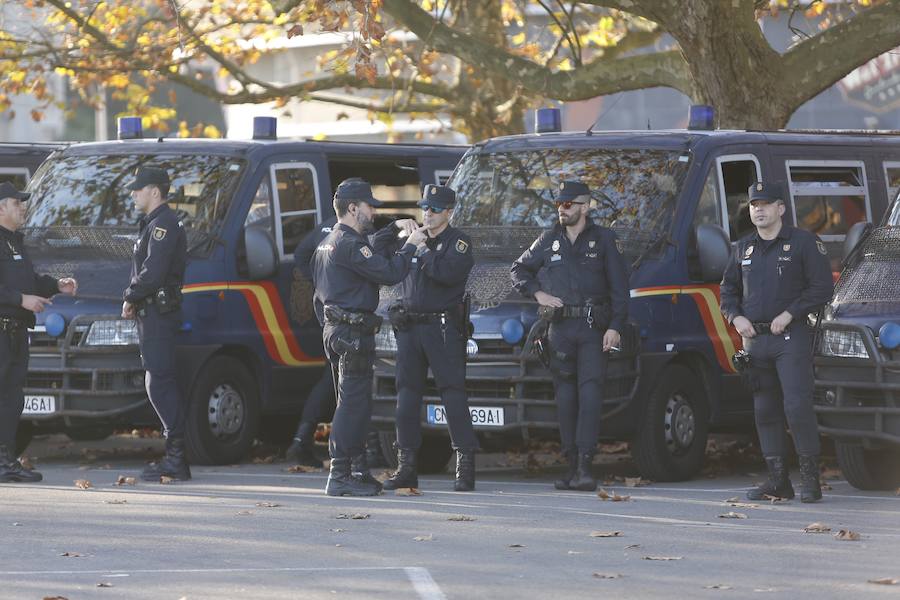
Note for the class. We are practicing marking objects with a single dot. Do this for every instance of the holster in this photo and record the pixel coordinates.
(364, 321)
(398, 316)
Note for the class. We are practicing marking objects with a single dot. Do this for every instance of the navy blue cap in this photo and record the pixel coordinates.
(149, 176)
(357, 190)
(569, 191)
(439, 196)
(8, 190)
(764, 192)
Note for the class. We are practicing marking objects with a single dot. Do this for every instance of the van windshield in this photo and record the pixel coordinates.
(87, 193)
(507, 197)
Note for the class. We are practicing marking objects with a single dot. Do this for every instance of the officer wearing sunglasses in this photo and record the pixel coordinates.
(576, 270)
(432, 329)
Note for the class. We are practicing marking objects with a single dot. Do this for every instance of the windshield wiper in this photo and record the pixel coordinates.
(651, 248)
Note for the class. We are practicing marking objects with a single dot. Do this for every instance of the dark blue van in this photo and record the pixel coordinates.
(250, 346)
(19, 161)
(676, 200)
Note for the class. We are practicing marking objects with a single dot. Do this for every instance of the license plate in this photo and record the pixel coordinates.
(483, 416)
(39, 405)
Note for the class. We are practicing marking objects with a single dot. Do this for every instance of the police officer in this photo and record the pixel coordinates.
(22, 294)
(776, 277)
(431, 327)
(154, 298)
(347, 273)
(576, 271)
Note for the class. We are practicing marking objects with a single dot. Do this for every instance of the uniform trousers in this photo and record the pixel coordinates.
(13, 370)
(156, 335)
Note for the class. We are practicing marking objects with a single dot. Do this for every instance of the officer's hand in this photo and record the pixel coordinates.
(744, 327)
(35, 304)
(127, 310)
(780, 323)
(67, 285)
(406, 225)
(611, 339)
(418, 236)
(545, 299)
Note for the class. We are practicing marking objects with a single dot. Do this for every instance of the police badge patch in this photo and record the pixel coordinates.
(555, 245)
(748, 251)
(619, 246)
(821, 247)
(786, 247)
(440, 246)
(366, 251)
(461, 246)
(158, 233)
(591, 244)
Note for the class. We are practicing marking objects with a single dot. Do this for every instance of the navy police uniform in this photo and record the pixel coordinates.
(431, 328)
(17, 277)
(347, 273)
(157, 274)
(591, 279)
(765, 278)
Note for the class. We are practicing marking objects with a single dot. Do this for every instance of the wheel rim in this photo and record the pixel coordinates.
(681, 427)
(226, 411)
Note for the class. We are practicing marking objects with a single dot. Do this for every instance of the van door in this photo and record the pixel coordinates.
(736, 173)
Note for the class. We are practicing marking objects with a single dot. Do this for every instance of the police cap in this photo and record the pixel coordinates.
(149, 176)
(357, 190)
(571, 191)
(438, 196)
(8, 190)
(764, 192)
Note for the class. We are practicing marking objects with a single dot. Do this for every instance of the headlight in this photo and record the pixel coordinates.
(111, 333)
(846, 344)
(385, 340)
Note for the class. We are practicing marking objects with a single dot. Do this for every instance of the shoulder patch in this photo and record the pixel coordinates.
(159, 233)
(366, 251)
(620, 245)
(462, 246)
(821, 247)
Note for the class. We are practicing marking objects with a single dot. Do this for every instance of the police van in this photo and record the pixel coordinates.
(19, 161)
(250, 347)
(857, 360)
(677, 201)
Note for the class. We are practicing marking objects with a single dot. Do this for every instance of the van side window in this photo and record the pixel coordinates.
(892, 179)
(260, 215)
(17, 177)
(828, 197)
(737, 177)
(295, 188)
(708, 208)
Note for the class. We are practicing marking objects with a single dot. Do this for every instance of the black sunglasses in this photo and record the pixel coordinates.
(567, 204)
(435, 209)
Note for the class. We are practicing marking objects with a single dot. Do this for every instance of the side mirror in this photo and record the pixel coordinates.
(262, 259)
(714, 250)
(857, 232)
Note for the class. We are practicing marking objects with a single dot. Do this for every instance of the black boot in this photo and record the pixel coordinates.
(810, 489)
(300, 452)
(778, 485)
(342, 483)
(583, 480)
(12, 471)
(359, 470)
(374, 457)
(406, 475)
(566, 482)
(173, 465)
(465, 471)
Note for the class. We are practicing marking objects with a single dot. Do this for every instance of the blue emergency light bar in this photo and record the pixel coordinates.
(547, 120)
(702, 116)
(130, 128)
(265, 128)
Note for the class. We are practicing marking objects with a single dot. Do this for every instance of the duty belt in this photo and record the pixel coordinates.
(762, 328)
(569, 311)
(361, 319)
(12, 325)
(429, 317)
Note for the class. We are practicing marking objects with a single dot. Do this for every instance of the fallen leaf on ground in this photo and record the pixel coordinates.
(55, 598)
(816, 528)
(573, 552)
(733, 499)
(303, 469)
(826, 488)
(897, 493)
(26, 462)
(607, 575)
(614, 497)
(103, 584)
(424, 538)
(775, 499)
(636, 482)
(884, 581)
(742, 505)
(115, 502)
(614, 448)
(408, 492)
(267, 505)
(353, 516)
(845, 535)
(72, 555)
(606, 534)
(123, 480)
(517, 545)
(632, 546)
(831, 473)
(460, 518)
(732, 515)
(337, 530)
(165, 479)
(83, 484)
(663, 557)
(264, 460)
(717, 586)
(244, 513)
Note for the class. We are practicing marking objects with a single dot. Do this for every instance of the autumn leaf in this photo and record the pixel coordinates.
(355, 516)
(636, 482)
(717, 586)
(262, 460)
(267, 505)
(816, 528)
(165, 479)
(845, 535)
(663, 557)
(295, 31)
(72, 555)
(104, 584)
(733, 499)
(614, 497)
(115, 502)
(244, 513)
(337, 530)
(83, 484)
(408, 492)
(607, 575)
(424, 538)
(123, 480)
(460, 518)
(516, 546)
(303, 469)
(884, 581)
(606, 534)
(632, 546)
(732, 515)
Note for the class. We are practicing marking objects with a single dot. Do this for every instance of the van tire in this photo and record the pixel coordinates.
(223, 413)
(670, 444)
(869, 469)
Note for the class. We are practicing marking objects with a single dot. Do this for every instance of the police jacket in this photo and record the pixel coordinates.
(160, 255)
(590, 270)
(347, 271)
(305, 250)
(438, 275)
(17, 277)
(767, 277)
